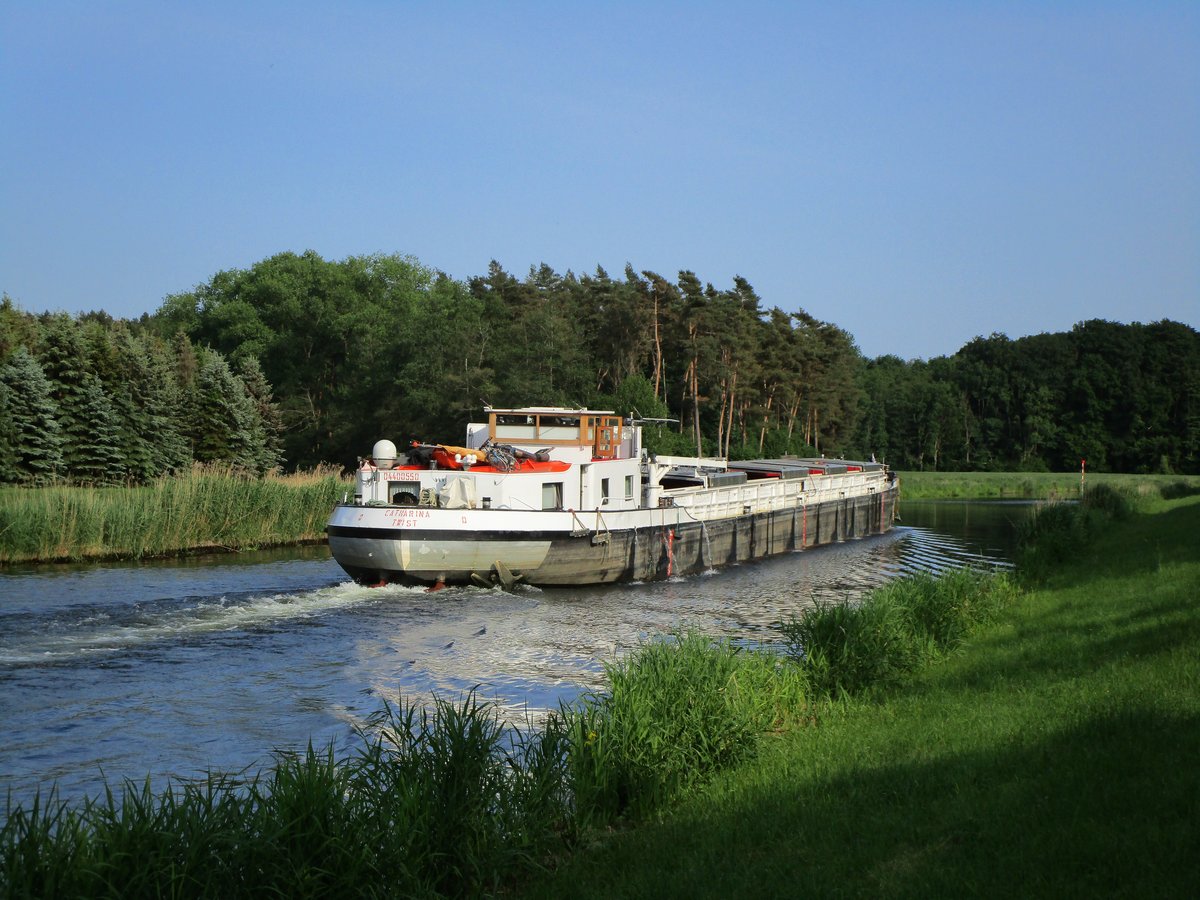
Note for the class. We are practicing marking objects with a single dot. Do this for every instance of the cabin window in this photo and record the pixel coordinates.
(603, 491)
(552, 495)
(628, 487)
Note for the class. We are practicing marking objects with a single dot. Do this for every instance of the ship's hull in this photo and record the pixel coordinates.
(560, 547)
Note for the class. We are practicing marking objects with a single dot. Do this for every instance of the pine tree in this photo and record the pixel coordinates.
(37, 446)
(187, 363)
(131, 398)
(212, 417)
(17, 328)
(185, 368)
(9, 471)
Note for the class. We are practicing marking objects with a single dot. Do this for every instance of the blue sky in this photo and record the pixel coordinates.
(917, 173)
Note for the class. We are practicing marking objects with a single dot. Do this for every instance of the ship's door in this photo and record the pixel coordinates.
(608, 437)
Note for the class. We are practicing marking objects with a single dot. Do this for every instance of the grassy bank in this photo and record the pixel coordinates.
(205, 509)
(944, 737)
(1054, 757)
(1032, 485)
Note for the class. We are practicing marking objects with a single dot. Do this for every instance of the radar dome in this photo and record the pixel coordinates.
(383, 454)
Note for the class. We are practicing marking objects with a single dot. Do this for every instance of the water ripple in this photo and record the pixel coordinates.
(176, 669)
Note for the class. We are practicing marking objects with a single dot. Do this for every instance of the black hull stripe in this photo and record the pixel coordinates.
(431, 534)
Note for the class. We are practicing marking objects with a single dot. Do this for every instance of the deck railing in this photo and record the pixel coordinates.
(771, 494)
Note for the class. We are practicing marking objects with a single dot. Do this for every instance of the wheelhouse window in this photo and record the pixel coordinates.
(552, 495)
(558, 428)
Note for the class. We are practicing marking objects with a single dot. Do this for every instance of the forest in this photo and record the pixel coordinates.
(298, 361)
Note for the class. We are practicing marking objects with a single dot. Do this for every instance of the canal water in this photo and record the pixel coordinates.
(171, 670)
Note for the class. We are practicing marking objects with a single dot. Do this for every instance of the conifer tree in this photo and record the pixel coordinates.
(16, 328)
(171, 450)
(259, 391)
(63, 358)
(226, 426)
(98, 453)
(9, 473)
(36, 452)
(187, 364)
(127, 382)
(212, 417)
(185, 367)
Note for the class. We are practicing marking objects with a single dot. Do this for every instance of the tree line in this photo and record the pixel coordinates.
(1123, 398)
(382, 346)
(299, 360)
(95, 401)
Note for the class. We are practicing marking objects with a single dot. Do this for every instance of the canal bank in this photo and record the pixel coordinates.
(1052, 757)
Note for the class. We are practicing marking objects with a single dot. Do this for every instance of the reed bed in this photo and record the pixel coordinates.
(207, 508)
(1058, 532)
(435, 802)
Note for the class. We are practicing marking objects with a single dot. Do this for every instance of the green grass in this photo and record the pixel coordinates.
(1031, 485)
(205, 509)
(1055, 755)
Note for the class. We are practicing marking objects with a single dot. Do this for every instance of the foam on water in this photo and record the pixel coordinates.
(83, 631)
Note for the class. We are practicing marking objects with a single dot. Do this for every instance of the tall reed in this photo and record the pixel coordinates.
(205, 508)
(675, 712)
(434, 802)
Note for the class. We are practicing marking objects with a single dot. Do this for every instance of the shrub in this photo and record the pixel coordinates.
(1058, 531)
(1054, 533)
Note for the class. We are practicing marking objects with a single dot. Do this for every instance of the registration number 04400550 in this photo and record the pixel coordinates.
(401, 475)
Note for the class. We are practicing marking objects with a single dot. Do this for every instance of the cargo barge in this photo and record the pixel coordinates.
(557, 496)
